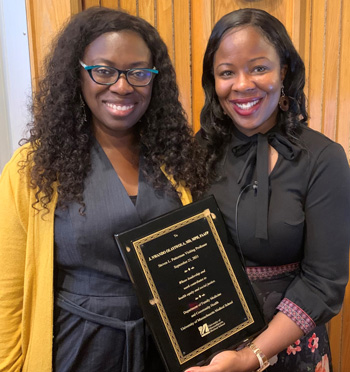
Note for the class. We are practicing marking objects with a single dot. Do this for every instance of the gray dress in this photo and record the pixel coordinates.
(98, 325)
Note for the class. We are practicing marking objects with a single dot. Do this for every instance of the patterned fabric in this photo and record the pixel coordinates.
(286, 306)
(299, 316)
(269, 272)
(310, 353)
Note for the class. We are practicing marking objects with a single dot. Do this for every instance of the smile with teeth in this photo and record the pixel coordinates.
(248, 105)
(119, 107)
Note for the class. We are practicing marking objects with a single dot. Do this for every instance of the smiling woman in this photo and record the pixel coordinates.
(248, 79)
(106, 123)
(117, 107)
(277, 183)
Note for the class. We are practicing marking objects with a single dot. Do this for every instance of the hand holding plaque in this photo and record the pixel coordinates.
(195, 295)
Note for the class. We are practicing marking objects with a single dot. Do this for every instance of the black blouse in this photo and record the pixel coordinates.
(298, 213)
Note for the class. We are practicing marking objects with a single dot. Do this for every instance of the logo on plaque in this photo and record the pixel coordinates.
(203, 330)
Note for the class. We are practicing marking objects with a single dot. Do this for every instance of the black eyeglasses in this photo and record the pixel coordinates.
(105, 75)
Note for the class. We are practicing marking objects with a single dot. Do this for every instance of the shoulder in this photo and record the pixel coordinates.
(319, 145)
(326, 159)
(19, 154)
(314, 139)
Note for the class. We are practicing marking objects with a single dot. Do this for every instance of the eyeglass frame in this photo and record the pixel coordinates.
(125, 72)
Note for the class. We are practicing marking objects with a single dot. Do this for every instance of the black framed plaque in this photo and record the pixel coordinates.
(190, 282)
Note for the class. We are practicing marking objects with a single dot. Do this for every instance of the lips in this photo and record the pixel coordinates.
(119, 109)
(246, 107)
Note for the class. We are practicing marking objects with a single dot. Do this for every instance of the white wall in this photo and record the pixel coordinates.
(15, 80)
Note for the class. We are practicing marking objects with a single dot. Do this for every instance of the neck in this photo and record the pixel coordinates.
(123, 152)
(127, 139)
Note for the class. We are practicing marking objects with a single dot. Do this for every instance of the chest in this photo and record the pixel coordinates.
(287, 185)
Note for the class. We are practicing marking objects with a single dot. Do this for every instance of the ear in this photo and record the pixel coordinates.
(284, 70)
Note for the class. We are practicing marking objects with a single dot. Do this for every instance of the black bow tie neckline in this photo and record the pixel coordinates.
(258, 148)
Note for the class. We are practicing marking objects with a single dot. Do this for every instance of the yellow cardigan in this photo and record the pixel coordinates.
(26, 272)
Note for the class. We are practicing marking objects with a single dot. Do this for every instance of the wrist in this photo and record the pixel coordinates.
(260, 356)
(248, 360)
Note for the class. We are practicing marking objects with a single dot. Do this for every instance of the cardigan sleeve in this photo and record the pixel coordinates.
(316, 295)
(13, 221)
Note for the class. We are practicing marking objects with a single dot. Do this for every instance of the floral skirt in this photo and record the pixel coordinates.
(311, 353)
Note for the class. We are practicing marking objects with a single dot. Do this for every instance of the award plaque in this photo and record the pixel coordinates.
(195, 295)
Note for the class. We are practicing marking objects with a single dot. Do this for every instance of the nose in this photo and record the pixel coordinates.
(122, 86)
(243, 82)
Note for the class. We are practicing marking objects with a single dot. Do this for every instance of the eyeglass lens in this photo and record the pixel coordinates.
(108, 75)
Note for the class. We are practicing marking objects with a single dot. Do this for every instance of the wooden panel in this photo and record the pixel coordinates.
(45, 18)
(343, 119)
(331, 68)
(147, 11)
(75, 6)
(305, 38)
(182, 52)
(293, 21)
(334, 330)
(113, 4)
(276, 8)
(316, 68)
(90, 3)
(222, 7)
(201, 26)
(165, 24)
(129, 6)
(144, 9)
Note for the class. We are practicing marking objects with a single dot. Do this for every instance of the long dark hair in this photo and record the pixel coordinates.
(61, 140)
(216, 128)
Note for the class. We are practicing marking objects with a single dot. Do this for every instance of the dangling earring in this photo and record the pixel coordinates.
(83, 116)
(283, 101)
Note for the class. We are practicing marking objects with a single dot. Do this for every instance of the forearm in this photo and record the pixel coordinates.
(281, 333)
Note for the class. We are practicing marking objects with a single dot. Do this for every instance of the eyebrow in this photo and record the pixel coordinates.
(111, 64)
(257, 58)
(251, 60)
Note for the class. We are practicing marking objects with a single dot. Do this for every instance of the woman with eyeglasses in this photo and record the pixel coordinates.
(283, 188)
(108, 149)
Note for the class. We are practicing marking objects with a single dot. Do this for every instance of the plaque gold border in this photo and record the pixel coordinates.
(157, 300)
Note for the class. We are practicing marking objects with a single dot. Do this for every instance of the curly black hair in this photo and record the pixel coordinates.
(60, 139)
(216, 128)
